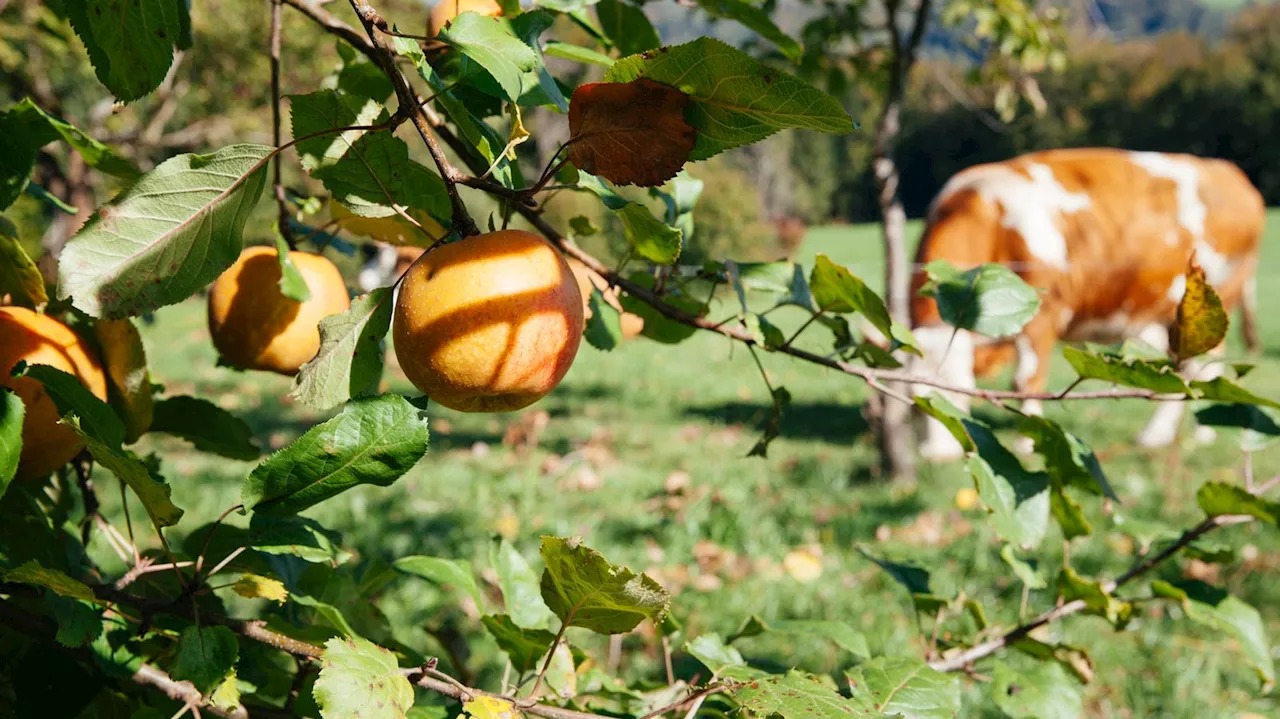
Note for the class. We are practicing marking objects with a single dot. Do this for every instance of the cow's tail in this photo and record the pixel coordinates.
(1249, 315)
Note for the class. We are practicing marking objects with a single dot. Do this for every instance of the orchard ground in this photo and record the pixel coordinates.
(644, 455)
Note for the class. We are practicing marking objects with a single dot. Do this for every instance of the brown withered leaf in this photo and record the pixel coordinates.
(630, 133)
(1202, 322)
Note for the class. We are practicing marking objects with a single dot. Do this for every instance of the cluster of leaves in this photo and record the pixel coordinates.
(171, 231)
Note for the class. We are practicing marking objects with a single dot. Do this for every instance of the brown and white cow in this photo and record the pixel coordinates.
(1106, 234)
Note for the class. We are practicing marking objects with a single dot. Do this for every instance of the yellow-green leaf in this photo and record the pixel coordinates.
(483, 707)
(125, 362)
(1202, 322)
(256, 586)
(19, 277)
(54, 580)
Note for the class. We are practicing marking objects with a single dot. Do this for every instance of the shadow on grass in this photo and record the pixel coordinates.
(818, 421)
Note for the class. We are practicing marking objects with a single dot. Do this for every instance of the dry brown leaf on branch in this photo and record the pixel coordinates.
(1202, 322)
(630, 133)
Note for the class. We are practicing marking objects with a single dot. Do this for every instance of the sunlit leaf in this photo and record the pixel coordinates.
(737, 100)
(371, 441)
(1220, 498)
(1222, 612)
(96, 154)
(990, 299)
(585, 590)
(1201, 322)
(130, 42)
(1044, 692)
(521, 594)
(908, 688)
(165, 236)
(331, 615)
(1068, 460)
(12, 413)
(441, 571)
(361, 680)
(757, 20)
(794, 695)
(627, 27)
(349, 363)
(604, 327)
(255, 586)
(152, 490)
(56, 581)
(484, 707)
(712, 651)
(1098, 601)
(1023, 570)
(1153, 375)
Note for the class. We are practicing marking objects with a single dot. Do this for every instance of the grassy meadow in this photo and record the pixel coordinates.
(644, 456)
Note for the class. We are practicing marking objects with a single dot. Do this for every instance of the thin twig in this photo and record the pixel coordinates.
(969, 656)
(696, 698)
(551, 653)
(83, 465)
(204, 548)
(385, 58)
(282, 202)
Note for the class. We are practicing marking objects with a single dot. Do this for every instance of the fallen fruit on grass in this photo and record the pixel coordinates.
(41, 340)
(488, 324)
(446, 10)
(966, 499)
(255, 326)
(632, 324)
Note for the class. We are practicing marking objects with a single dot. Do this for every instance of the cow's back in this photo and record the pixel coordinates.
(1105, 233)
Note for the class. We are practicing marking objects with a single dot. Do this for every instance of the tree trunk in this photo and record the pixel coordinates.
(893, 431)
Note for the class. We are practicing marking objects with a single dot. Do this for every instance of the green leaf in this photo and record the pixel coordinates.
(627, 27)
(1023, 570)
(835, 289)
(755, 19)
(737, 100)
(1074, 659)
(523, 646)
(577, 53)
(441, 571)
(781, 400)
(125, 465)
(349, 363)
(18, 145)
(950, 416)
(124, 360)
(1069, 514)
(1068, 460)
(585, 590)
(70, 396)
(368, 172)
(79, 622)
(1018, 499)
(95, 154)
(1158, 376)
(371, 441)
(206, 656)
(712, 651)
(1044, 692)
(331, 615)
(794, 695)
(486, 141)
(296, 536)
(1219, 498)
(19, 276)
(130, 42)
(1240, 416)
(659, 327)
(902, 687)
(839, 633)
(1219, 610)
(11, 415)
(492, 43)
(648, 236)
(208, 427)
(991, 299)
(521, 594)
(360, 680)
(914, 578)
(166, 236)
(540, 87)
(1098, 601)
(1222, 389)
(604, 329)
(56, 581)
(292, 284)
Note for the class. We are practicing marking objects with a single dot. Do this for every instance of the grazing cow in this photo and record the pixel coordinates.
(384, 264)
(791, 232)
(1106, 235)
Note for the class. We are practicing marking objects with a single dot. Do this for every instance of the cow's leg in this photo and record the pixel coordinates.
(1249, 315)
(1035, 351)
(948, 357)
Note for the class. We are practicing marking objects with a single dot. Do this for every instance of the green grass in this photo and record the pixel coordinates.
(634, 416)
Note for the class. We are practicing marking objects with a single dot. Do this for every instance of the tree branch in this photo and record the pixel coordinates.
(965, 659)
(282, 202)
(384, 55)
